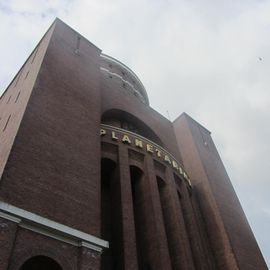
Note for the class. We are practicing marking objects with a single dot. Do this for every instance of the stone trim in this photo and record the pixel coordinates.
(10, 217)
(50, 228)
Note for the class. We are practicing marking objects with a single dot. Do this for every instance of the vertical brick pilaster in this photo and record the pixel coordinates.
(88, 259)
(199, 249)
(129, 237)
(159, 252)
(178, 241)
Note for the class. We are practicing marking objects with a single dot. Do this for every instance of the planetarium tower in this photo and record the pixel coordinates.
(94, 178)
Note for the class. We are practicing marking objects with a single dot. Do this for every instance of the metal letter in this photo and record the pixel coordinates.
(102, 132)
(167, 159)
(114, 136)
(175, 165)
(149, 148)
(138, 143)
(158, 152)
(126, 139)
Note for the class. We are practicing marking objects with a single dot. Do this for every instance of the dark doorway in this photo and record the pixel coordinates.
(41, 263)
(136, 177)
(111, 226)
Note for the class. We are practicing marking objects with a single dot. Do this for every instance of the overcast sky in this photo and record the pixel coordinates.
(210, 59)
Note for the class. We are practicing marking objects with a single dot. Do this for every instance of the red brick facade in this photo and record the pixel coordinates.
(93, 178)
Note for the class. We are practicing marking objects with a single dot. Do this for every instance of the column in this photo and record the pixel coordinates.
(128, 233)
(158, 253)
(200, 249)
(179, 245)
(88, 259)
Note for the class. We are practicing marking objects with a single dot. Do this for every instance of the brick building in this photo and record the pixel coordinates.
(93, 178)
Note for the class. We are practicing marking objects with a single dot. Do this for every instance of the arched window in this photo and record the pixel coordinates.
(40, 263)
(125, 120)
(111, 215)
(140, 216)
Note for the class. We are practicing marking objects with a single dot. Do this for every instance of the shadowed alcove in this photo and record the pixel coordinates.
(40, 263)
(125, 120)
(111, 225)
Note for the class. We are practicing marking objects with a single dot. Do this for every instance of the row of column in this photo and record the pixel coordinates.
(153, 219)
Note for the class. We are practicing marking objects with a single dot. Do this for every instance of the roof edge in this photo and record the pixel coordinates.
(187, 116)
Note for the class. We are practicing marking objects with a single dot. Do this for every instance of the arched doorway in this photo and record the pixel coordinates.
(140, 217)
(111, 224)
(40, 263)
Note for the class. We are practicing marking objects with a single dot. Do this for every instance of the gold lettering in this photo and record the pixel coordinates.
(138, 143)
(114, 136)
(158, 152)
(175, 165)
(189, 182)
(167, 159)
(126, 139)
(180, 170)
(149, 148)
(185, 176)
(102, 132)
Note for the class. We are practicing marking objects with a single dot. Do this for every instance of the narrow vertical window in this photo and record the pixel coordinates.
(17, 97)
(78, 42)
(8, 100)
(26, 75)
(6, 123)
(34, 56)
(18, 78)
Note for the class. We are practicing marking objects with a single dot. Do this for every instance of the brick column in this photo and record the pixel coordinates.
(200, 250)
(179, 245)
(128, 233)
(88, 259)
(159, 253)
